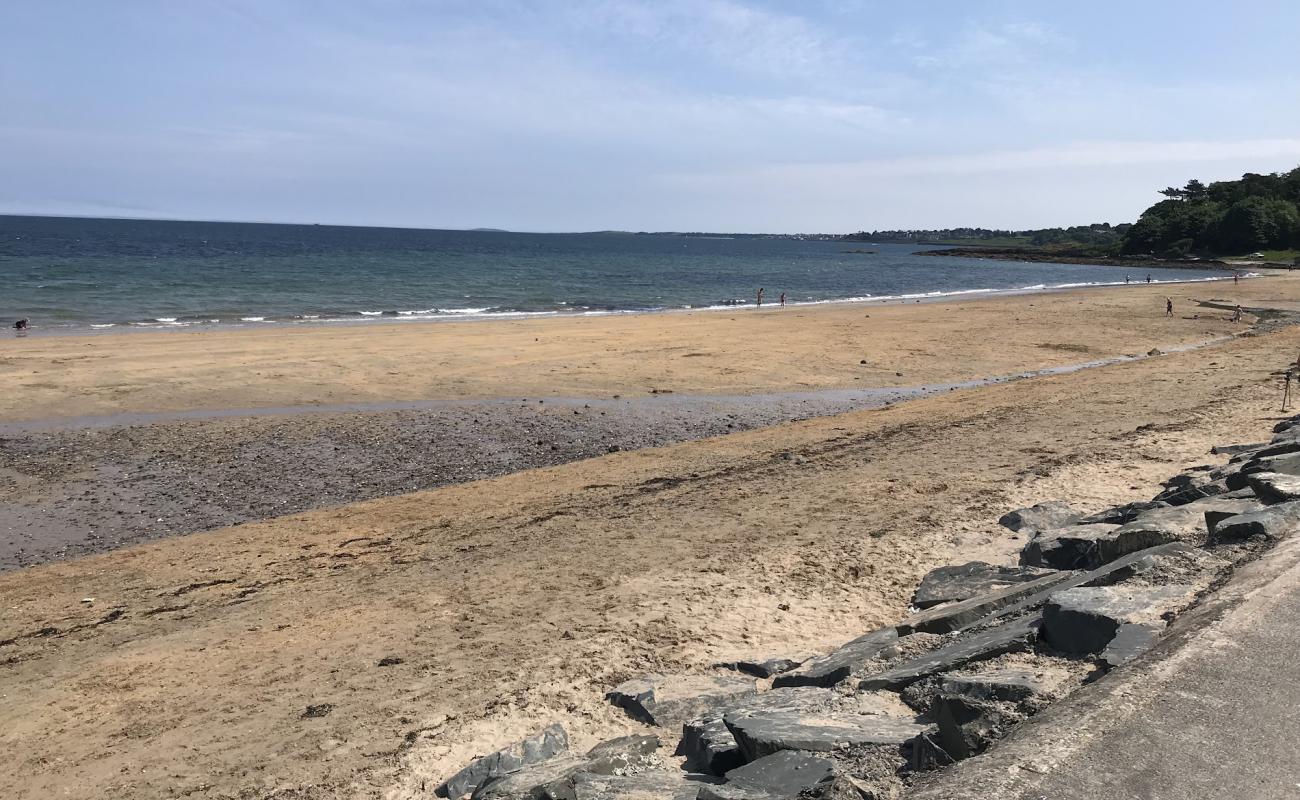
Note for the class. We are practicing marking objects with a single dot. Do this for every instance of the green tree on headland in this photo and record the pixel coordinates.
(1256, 212)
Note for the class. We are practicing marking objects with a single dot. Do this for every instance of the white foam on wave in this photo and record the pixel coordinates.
(371, 313)
(252, 319)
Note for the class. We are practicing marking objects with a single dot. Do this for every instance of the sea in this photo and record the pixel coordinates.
(81, 275)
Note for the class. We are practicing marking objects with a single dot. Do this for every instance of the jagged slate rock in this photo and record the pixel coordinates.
(837, 665)
(1091, 577)
(782, 775)
(670, 700)
(966, 726)
(1131, 641)
(1213, 516)
(1193, 491)
(1237, 494)
(1017, 634)
(949, 618)
(622, 754)
(1038, 517)
(1006, 685)
(1185, 523)
(664, 783)
(767, 732)
(842, 787)
(1290, 422)
(1085, 619)
(708, 744)
(1120, 515)
(1087, 546)
(1178, 562)
(768, 668)
(1273, 522)
(554, 779)
(549, 742)
(1279, 447)
(1274, 487)
(1235, 449)
(964, 581)
(1286, 463)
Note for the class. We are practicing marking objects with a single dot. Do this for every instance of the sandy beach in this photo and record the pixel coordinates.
(678, 497)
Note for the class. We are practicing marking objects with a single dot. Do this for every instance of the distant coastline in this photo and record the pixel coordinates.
(1041, 257)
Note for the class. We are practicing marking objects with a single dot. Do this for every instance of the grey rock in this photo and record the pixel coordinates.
(966, 726)
(1090, 578)
(963, 581)
(1286, 424)
(549, 742)
(557, 778)
(839, 664)
(663, 783)
(670, 700)
(1274, 487)
(1279, 446)
(708, 743)
(1179, 523)
(955, 616)
(1120, 515)
(1004, 685)
(1085, 619)
(1178, 562)
(1236, 449)
(1194, 488)
(779, 776)
(768, 668)
(1273, 522)
(1130, 641)
(1285, 463)
(1089, 546)
(1015, 635)
(767, 732)
(1051, 514)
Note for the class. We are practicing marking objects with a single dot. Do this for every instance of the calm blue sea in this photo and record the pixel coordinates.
(74, 274)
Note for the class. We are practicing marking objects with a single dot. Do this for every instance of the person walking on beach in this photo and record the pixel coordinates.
(1169, 307)
(1236, 314)
(1236, 278)
(1126, 279)
(782, 299)
(760, 297)
(1148, 278)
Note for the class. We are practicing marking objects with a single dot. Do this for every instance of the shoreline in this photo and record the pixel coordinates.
(99, 484)
(1029, 256)
(393, 317)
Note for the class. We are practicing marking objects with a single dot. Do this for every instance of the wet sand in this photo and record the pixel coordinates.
(183, 666)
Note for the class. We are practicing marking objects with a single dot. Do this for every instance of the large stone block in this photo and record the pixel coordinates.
(1274, 487)
(1121, 515)
(955, 616)
(549, 742)
(1131, 640)
(670, 700)
(708, 743)
(557, 778)
(839, 664)
(1051, 514)
(1017, 634)
(964, 581)
(779, 776)
(1089, 546)
(767, 732)
(1085, 619)
(1273, 522)
(663, 783)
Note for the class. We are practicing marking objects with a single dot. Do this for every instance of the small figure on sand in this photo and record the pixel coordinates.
(1148, 278)
(760, 298)
(1236, 314)
(1125, 279)
(1169, 307)
(1236, 277)
(782, 299)
(21, 325)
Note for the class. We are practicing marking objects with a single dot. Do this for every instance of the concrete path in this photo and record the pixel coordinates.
(1214, 712)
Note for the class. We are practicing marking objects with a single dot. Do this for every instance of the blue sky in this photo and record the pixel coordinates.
(737, 115)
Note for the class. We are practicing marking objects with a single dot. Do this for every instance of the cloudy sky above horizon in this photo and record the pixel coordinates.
(735, 115)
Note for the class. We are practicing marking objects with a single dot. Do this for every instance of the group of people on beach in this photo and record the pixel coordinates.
(761, 290)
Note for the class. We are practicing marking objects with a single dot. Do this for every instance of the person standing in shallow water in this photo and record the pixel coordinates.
(21, 325)
(782, 299)
(760, 298)
(1169, 307)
